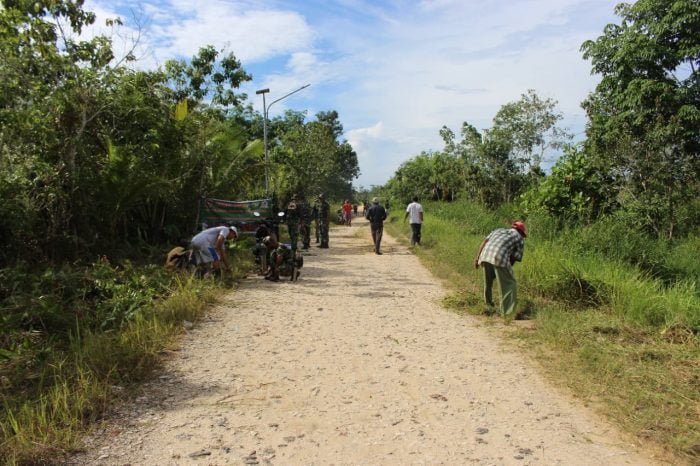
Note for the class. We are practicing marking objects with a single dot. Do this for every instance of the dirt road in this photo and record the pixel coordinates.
(356, 363)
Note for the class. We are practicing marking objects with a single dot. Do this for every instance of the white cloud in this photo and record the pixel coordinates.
(252, 35)
(179, 28)
(462, 62)
(413, 67)
(359, 137)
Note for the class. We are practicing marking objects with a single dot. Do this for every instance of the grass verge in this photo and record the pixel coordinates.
(58, 380)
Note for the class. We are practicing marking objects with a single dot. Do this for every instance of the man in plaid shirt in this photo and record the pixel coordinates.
(497, 254)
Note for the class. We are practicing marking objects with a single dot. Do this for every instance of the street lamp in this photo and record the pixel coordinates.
(266, 109)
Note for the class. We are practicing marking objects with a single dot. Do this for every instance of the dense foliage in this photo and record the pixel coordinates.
(644, 116)
(97, 157)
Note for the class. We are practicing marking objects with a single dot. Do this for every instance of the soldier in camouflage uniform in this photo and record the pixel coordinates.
(278, 255)
(292, 217)
(305, 217)
(324, 218)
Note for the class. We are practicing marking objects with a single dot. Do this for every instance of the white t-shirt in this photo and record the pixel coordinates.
(414, 210)
(207, 238)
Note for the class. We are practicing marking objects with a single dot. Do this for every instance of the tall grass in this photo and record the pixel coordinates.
(44, 412)
(617, 314)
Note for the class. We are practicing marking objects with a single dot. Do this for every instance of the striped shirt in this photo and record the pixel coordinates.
(501, 245)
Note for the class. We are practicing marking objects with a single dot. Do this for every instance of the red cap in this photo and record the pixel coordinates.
(520, 226)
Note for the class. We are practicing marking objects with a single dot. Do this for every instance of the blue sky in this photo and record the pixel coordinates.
(395, 70)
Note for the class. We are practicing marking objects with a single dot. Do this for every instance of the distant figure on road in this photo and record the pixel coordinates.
(414, 212)
(305, 217)
(347, 212)
(292, 215)
(376, 216)
(498, 252)
(323, 210)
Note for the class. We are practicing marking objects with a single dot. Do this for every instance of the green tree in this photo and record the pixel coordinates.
(207, 75)
(94, 155)
(528, 128)
(645, 113)
(52, 101)
(311, 158)
(498, 164)
(413, 177)
(576, 190)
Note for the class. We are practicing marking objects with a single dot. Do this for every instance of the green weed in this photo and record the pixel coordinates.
(55, 383)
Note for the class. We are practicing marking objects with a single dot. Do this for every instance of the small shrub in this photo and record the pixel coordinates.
(571, 284)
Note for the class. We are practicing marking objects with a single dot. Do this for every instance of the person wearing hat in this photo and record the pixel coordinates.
(208, 247)
(376, 216)
(498, 252)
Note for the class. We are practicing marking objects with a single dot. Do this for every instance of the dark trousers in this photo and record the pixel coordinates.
(377, 232)
(415, 233)
(305, 233)
(293, 234)
(323, 227)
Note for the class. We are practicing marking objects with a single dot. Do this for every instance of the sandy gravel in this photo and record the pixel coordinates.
(356, 363)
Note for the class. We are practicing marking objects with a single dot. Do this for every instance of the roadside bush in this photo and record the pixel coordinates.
(471, 218)
(619, 238)
(682, 260)
(544, 227)
(54, 383)
(549, 271)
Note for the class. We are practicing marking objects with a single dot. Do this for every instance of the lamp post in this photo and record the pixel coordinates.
(266, 109)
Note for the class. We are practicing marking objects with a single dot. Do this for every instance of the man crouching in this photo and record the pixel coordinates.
(209, 251)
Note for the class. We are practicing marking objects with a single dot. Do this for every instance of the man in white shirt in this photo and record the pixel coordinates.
(208, 247)
(415, 212)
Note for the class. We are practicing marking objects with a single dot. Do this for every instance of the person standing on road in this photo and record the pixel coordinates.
(347, 212)
(376, 216)
(498, 252)
(323, 209)
(208, 248)
(292, 217)
(414, 212)
(305, 216)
